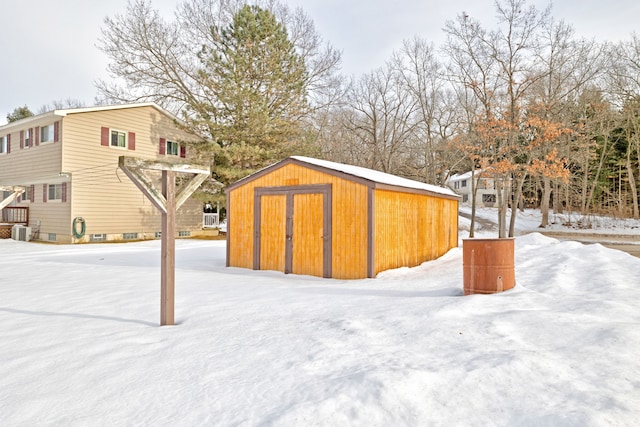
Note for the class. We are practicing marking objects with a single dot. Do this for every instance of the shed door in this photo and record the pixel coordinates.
(273, 213)
(293, 229)
(307, 238)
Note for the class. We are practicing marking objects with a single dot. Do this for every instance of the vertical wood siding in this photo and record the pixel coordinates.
(349, 219)
(273, 233)
(307, 234)
(412, 228)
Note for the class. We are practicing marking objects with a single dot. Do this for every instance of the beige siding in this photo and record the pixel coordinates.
(37, 165)
(96, 189)
(102, 194)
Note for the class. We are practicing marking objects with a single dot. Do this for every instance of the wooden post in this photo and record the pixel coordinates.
(168, 250)
(168, 202)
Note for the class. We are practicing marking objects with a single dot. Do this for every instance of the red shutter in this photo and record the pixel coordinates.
(21, 139)
(163, 146)
(183, 151)
(131, 141)
(32, 195)
(31, 137)
(36, 137)
(104, 136)
(64, 192)
(56, 131)
(44, 193)
(8, 143)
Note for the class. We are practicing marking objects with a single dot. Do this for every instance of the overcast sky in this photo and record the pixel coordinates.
(49, 46)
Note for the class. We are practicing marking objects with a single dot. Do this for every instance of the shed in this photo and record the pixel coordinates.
(315, 217)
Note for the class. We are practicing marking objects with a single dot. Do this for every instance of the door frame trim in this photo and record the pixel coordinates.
(289, 192)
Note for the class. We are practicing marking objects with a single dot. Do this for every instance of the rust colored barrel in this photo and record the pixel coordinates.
(488, 265)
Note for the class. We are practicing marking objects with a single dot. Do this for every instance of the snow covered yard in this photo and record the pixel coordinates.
(80, 343)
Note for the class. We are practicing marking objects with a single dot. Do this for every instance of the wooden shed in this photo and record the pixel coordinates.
(326, 219)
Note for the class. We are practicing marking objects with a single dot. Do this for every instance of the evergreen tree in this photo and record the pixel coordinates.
(19, 113)
(254, 83)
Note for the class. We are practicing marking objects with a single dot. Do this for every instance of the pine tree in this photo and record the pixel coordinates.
(255, 83)
(19, 113)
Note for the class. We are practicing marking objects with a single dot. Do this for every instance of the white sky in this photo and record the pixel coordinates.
(49, 52)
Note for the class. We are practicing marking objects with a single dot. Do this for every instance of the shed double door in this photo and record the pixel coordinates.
(293, 230)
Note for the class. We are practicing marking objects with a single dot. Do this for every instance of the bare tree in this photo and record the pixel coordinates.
(383, 120)
(61, 104)
(566, 66)
(624, 85)
(496, 66)
(422, 75)
(157, 60)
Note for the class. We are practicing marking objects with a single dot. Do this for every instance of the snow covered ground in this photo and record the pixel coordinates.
(80, 345)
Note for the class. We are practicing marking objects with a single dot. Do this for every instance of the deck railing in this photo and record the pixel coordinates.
(15, 215)
(210, 220)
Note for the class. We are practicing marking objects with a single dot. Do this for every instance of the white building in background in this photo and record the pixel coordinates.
(486, 194)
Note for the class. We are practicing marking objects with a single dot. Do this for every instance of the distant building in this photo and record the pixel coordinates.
(67, 162)
(486, 193)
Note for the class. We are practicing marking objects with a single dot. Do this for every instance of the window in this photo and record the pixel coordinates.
(55, 192)
(97, 237)
(27, 138)
(465, 198)
(173, 148)
(3, 144)
(118, 139)
(456, 185)
(47, 133)
(488, 198)
(129, 236)
(26, 196)
(464, 183)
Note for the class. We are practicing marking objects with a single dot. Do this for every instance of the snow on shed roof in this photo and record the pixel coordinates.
(357, 172)
(376, 176)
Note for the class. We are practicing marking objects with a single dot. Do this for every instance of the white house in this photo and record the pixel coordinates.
(486, 193)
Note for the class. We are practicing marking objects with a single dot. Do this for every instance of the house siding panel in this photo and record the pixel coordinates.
(108, 201)
(95, 188)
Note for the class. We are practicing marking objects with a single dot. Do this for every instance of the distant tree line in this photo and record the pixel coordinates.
(552, 117)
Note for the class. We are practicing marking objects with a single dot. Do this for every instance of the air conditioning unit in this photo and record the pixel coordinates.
(20, 232)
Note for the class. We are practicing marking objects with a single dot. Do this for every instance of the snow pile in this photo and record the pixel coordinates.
(530, 219)
(81, 345)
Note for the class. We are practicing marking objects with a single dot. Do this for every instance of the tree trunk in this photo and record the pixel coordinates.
(557, 202)
(515, 204)
(632, 183)
(474, 190)
(503, 198)
(544, 204)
